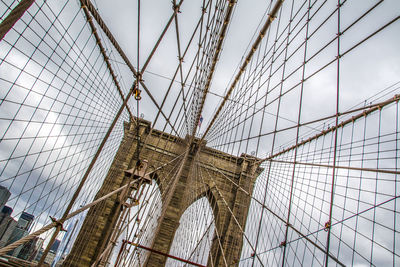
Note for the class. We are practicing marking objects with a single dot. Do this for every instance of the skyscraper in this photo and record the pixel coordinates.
(30, 249)
(7, 225)
(25, 221)
(55, 245)
(22, 229)
(4, 196)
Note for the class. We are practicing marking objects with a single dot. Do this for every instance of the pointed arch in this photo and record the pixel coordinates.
(194, 235)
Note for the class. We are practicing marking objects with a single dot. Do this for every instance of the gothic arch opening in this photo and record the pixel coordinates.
(139, 227)
(193, 238)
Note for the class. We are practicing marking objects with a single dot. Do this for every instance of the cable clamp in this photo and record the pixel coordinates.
(135, 202)
(282, 244)
(175, 7)
(271, 17)
(58, 224)
(327, 226)
(136, 91)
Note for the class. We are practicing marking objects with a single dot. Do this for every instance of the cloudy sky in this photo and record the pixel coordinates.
(55, 107)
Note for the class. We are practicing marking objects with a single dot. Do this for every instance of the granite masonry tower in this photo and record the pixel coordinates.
(224, 197)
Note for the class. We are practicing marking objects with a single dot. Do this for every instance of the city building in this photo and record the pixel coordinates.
(67, 240)
(50, 257)
(55, 245)
(30, 249)
(38, 248)
(39, 254)
(25, 221)
(4, 196)
(7, 225)
(22, 229)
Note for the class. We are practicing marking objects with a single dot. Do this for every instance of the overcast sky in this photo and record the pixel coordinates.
(372, 69)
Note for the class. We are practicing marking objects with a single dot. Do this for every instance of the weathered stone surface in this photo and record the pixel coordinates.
(219, 173)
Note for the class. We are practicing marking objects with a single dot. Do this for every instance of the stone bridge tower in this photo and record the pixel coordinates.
(223, 195)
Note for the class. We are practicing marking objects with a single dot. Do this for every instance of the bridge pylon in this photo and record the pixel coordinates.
(227, 182)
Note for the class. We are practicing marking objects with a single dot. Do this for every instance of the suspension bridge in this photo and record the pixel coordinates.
(199, 133)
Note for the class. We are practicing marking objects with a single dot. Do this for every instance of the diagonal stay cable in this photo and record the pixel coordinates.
(105, 29)
(206, 43)
(337, 166)
(396, 98)
(273, 213)
(46, 228)
(176, 10)
(214, 61)
(106, 58)
(333, 224)
(216, 227)
(14, 16)
(119, 230)
(174, 184)
(178, 42)
(85, 177)
(80, 186)
(244, 65)
(372, 109)
(233, 215)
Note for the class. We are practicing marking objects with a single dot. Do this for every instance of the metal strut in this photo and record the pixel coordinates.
(124, 242)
